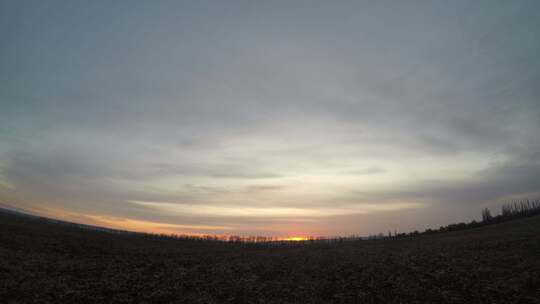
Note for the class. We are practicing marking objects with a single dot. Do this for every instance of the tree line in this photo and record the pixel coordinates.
(509, 211)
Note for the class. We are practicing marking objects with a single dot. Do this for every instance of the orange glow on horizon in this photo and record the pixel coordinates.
(295, 238)
(135, 225)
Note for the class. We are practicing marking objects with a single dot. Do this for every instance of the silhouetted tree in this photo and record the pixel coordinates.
(486, 215)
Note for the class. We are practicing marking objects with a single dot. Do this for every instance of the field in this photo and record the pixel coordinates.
(45, 262)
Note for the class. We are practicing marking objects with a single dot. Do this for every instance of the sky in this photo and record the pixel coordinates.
(273, 118)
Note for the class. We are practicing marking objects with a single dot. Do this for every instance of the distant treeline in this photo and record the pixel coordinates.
(509, 211)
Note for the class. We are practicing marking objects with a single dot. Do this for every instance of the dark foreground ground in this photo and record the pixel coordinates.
(43, 262)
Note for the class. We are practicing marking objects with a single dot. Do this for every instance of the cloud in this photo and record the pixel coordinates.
(492, 185)
(227, 109)
(368, 171)
(223, 170)
(273, 211)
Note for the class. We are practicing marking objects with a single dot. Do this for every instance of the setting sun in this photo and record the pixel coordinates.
(296, 238)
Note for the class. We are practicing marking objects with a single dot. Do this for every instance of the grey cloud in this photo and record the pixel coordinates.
(223, 170)
(492, 185)
(190, 102)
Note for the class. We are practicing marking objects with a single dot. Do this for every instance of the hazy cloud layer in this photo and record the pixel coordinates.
(269, 118)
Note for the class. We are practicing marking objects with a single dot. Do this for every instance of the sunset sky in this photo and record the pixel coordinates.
(275, 118)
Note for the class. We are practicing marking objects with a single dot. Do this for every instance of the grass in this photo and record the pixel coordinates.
(45, 262)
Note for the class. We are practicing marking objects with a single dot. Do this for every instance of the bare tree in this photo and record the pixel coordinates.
(486, 215)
